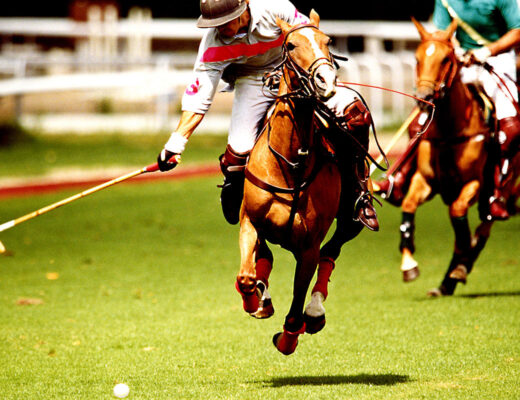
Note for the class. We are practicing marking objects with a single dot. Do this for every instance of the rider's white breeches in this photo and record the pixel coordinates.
(502, 64)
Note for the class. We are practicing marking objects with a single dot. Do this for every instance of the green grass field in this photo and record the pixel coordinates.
(135, 284)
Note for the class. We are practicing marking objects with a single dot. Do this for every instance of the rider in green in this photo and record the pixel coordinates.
(487, 32)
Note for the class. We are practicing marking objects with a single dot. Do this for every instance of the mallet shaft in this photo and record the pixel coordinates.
(14, 222)
(396, 137)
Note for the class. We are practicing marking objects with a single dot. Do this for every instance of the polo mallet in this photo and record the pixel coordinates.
(395, 138)
(34, 214)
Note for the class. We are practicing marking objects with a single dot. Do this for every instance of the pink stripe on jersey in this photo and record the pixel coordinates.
(223, 53)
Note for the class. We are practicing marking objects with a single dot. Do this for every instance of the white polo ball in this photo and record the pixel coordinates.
(121, 390)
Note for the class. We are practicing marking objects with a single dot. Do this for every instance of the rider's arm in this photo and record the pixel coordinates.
(507, 42)
(188, 123)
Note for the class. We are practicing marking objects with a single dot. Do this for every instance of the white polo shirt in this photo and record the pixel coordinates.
(251, 54)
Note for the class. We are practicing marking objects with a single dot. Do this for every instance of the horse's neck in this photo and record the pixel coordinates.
(295, 117)
(460, 109)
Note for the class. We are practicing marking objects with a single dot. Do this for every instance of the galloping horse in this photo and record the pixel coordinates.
(293, 187)
(452, 157)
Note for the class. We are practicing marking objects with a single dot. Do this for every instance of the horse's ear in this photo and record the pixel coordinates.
(284, 26)
(452, 28)
(315, 18)
(422, 32)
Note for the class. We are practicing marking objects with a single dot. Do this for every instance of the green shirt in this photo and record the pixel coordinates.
(490, 18)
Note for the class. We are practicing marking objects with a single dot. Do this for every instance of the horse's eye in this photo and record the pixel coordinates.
(291, 46)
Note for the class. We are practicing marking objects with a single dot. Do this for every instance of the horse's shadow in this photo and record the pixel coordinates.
(360, 379)
(490, 294)
(512, 293)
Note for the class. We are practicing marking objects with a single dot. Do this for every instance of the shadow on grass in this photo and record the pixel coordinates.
(471, 296)
(490, 294)
(360, 379)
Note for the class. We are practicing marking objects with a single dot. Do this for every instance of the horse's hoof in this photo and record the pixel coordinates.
(286, 341)
(265, 304)
(411, 274)
(435, 292)
(314, 324)
(460, 273)
(440, 291)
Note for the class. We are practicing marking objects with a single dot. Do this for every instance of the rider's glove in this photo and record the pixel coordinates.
(166, 160)
(174, 146)
(481, 55)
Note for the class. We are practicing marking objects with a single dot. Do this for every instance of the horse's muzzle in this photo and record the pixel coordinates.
(324, 79)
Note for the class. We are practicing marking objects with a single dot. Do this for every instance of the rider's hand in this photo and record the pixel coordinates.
(173, 147)
(166, 160)
(479, 55)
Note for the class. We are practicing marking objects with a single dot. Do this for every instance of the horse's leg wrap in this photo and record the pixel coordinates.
(314, 315)
(407, 229)
(250, 295)
(265, 305)
(287, 340)
(264, 267)
(325, 268)
(232, 165)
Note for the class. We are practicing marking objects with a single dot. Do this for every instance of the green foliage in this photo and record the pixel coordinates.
(145, 296)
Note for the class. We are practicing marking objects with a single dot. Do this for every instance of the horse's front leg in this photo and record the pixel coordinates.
(463, 254)
(246, 278)
(417, 194)
(287, 340)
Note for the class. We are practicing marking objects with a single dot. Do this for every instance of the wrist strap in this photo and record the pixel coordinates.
(176, 143)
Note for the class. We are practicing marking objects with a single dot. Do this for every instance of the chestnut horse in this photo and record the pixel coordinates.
(292, 189)
(452, 158)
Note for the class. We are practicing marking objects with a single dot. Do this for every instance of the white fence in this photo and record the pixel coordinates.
(106, 50)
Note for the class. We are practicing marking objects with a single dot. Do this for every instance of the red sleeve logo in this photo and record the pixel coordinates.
(193, 88)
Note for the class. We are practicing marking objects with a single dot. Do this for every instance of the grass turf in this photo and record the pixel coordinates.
(39, 154)
(144, 295)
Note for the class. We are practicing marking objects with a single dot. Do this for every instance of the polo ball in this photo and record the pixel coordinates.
(121, 390)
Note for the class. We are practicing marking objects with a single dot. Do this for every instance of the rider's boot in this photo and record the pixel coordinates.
(364, 210)
(357, 119)
(509, 140)
(232, 165)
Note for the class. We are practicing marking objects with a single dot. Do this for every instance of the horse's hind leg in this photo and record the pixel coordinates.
(463, 254)
(315, 311)
(294, 326)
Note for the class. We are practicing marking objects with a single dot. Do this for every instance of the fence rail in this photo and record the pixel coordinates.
(106, 50)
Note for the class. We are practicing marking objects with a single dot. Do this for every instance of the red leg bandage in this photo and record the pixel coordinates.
(325, 268)
(263, 270)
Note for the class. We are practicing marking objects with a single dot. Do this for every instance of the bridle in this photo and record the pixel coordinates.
(306, 77)
(447, 75)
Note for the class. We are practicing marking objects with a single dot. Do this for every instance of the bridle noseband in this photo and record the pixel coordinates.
(306, 77)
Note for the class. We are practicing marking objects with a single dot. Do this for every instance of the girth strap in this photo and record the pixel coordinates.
(277, 189)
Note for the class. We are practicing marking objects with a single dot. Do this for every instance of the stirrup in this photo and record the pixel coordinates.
(362, 204)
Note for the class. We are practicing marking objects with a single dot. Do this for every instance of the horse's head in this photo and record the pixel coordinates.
(308, 63)
(437, 64)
